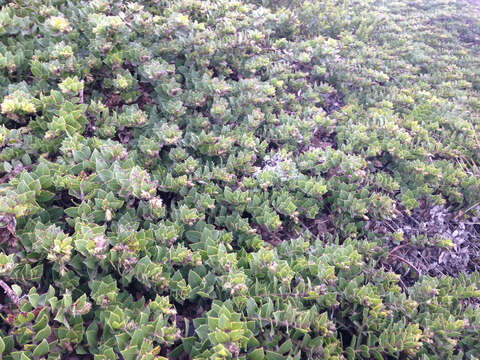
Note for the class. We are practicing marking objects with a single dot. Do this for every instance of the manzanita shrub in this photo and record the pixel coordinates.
(217, 179)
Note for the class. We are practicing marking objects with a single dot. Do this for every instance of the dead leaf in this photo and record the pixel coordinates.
(8, 235)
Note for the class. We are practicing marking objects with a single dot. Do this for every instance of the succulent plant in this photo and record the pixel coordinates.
(239, 179)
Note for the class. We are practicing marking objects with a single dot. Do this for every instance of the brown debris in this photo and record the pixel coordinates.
(323, 140)
(8, 235)
(113, 101)
(435, 223)
(145, 98)
(189, 311)
(320, 226)
(275, 238)
(473, 302)
(14, 172)
(10, 293)
(186, 313)
(333, 102)
(90, 127)
(125, 135)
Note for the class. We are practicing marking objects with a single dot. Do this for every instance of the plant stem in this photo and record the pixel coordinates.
(10, 293)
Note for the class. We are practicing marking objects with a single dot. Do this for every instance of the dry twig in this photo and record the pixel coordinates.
(406, 262)
(10, 293)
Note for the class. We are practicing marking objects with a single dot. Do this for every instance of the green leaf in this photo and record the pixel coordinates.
(285, 347)
(202, 331)
(41, 349)
(221, 337)
(350, 353)
(175, 353)
(45, 196)
(194, 279)
(306, 340)
(376, 354)
(270, 355)
(257, 354)
(43, 334)
(193, 236)
(129, 353)
(224, 322)
(122, 339)
(34, 299)
(9, 343)
(252, 307)
(7, 167)
(17, 289)
(2, 345)
(365, 351)
(236, 335)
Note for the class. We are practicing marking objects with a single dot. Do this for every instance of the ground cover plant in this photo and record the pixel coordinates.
(239, 179)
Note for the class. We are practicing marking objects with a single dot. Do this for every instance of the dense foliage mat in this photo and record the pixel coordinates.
(227, 179)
